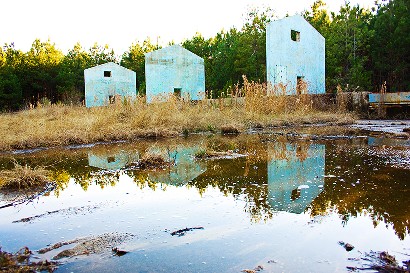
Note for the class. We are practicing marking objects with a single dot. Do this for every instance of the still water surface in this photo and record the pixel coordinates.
(284, 206)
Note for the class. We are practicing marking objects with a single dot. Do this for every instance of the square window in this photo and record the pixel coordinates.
(295, 35)
(107, 74)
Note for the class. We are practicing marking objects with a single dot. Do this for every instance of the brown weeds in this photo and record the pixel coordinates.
(23, 177)
(56, 125)
(20, 262)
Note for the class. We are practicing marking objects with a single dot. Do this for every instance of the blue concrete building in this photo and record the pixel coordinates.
(174, 70)
(104, 83)
(295, 54)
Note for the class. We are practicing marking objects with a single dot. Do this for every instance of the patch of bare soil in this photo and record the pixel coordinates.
(89, 245)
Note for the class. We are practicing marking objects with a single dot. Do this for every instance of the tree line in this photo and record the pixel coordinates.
(365, 49)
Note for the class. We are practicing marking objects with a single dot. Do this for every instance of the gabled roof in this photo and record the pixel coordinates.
(297, 19)
(171, 50)
(109, 64)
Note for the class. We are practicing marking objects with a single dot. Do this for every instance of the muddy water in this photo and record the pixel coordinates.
(284, 206)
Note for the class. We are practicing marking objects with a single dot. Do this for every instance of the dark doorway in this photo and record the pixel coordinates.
(300, 85)
(177, 92)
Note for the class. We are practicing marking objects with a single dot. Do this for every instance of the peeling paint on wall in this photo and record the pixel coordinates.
(295, 49)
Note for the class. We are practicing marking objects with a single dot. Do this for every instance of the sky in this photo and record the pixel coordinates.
(119, 23)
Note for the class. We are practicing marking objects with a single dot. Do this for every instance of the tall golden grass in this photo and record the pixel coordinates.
(55, 125)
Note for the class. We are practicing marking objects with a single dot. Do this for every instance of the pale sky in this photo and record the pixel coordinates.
(119, 23)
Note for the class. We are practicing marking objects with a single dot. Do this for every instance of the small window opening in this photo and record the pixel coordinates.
(111, 99)
(300, 85)
(295, 35)
(107, 74)
(177, 92)
(295, 194)
(111, 159)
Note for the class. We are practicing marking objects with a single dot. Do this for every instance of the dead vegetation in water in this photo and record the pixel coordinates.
(230, 129)
(20, 262)
(382, 262)
(23, 178)
(153, 161)
(23, 184)
(106, 242)
(210, 154)
(59, 125)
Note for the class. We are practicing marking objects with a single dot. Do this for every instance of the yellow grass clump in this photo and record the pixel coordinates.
(23, 177)
(57, 125)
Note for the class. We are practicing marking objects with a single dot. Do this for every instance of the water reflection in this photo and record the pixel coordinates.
(108, 160)
(361, 180)
(347, 177)
(295, 175)
(184, 168)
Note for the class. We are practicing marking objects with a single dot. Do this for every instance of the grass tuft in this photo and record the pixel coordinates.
(230, 129)
(23, 177)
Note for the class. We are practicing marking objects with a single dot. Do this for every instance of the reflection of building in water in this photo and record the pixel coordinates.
(295, 177)
(111, 161)
(185, 169)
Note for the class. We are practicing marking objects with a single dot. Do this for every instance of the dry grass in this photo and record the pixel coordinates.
(153, 161)
(57, 125)
(23, 177)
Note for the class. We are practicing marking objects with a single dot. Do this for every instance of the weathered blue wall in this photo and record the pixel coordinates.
(287, 59)
(99, 88)
(174, 67)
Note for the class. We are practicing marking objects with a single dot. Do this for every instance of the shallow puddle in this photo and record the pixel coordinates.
(283, 207)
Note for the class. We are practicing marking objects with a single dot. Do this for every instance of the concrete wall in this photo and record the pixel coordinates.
(174, 68)
(287, 59)
(108, 80)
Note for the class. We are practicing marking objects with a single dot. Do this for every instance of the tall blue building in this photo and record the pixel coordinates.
(295, 56)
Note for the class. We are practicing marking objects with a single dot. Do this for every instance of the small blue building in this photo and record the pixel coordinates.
(174, 70)
(104, 83)
(295, 54)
